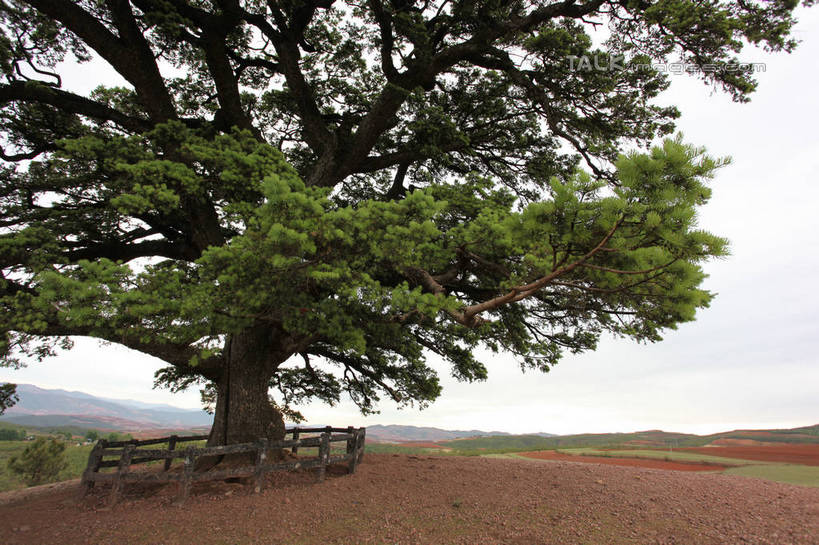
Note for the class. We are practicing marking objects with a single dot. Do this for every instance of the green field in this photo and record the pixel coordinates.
(784, 473)
(507, 445)
(669, 456)
(390, 448)
(772, 471)
(77, 458)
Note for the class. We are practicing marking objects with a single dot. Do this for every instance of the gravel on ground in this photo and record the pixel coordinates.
(421, 500)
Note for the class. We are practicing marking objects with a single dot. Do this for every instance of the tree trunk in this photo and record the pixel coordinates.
(243, 412)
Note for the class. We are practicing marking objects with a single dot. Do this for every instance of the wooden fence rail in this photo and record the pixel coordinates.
(123, 454)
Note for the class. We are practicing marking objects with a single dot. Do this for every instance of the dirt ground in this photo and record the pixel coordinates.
(632, 462)
(790, 454)
(434, 500)
(729, 442)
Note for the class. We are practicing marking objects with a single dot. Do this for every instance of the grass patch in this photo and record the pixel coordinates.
(674, 456)
(507, 456)
(783, 473)
(391, 448)
(77, 458)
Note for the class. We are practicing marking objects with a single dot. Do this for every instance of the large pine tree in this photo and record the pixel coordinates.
(309, 197)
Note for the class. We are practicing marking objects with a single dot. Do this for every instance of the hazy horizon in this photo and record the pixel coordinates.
(104, 397)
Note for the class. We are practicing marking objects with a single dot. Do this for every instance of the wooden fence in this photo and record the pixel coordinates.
(123, 454)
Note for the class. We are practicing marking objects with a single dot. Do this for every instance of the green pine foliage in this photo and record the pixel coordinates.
(12, 434)
(8, 396)
(369, 183)
(41, 461)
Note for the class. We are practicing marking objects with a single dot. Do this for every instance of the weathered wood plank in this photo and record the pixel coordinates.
(171, 446)
(310, 442)
(186, 438)
(159, 454)
(295, 448)
(352, 454)
(324, 454)
(129, 454)
(122, 469)
(93, 466)
(362, 437)
(261, 458)
(156, 441)
(187, 477)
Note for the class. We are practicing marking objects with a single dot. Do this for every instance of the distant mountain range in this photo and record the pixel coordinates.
(396, 434)
(43, 407)
(40, 407)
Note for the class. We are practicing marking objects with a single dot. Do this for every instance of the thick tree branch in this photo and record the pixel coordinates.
(176, 354)
(227, 85)
(469, 316)
(119, 251)
(527, 290)
(495, 59)
(316, 133)
(357, 365)
(423, 71)
(387, 40)
(129, 53)
(69, 102)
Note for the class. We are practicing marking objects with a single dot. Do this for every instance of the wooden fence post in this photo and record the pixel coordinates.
(295, 449)
(171, 446)
(362, 436)
(187, 476)
(122, 470)
(261, 458)
(94, 460)
(324, 455)
(352, 452)
(130, 454)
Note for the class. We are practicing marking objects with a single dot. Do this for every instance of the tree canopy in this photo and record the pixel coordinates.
(8, 396)
(313, 195)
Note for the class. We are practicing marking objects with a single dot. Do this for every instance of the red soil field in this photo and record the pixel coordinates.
(789, 454)
(633, 462)
(423, 500)
(740, 443)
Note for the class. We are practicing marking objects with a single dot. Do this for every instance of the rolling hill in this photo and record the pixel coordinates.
(43, 407)
(394, 433)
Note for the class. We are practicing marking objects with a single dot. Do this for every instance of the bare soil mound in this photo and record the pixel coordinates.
(789, 454)
(429, 500)
(728, 442)
(630, 462)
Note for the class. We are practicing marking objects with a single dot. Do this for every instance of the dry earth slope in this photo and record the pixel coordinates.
(423, 500)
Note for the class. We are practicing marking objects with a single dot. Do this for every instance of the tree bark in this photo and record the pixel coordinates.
(243, 412)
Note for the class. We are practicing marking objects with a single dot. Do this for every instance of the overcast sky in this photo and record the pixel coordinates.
(749, 361)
